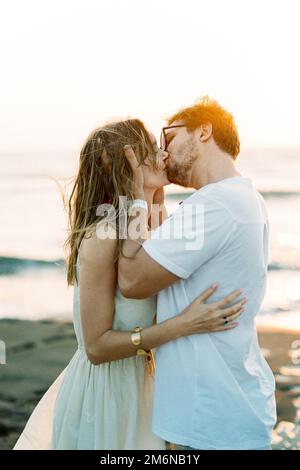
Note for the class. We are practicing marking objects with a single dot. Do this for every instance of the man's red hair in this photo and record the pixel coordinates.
(206, 111)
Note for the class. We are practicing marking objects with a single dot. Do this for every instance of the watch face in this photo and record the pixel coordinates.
(136, 338)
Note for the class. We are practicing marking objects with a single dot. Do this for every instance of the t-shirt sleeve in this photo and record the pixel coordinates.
(190, 237)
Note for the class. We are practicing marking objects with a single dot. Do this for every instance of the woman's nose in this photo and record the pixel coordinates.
(165, 155)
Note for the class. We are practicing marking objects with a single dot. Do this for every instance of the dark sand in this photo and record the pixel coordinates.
(279, 344)
(36, 352)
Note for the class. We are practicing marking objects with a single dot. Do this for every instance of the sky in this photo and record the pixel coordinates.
(68, 66)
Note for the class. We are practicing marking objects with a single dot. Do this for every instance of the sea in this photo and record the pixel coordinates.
(33, 222)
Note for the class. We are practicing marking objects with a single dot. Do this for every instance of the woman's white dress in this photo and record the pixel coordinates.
(102, 407)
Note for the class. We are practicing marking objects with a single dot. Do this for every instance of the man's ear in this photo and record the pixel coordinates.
(205, 132)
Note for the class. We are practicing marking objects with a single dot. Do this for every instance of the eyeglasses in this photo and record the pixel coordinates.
(163, 138)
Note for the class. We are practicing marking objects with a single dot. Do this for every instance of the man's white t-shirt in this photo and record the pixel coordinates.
(214, 391)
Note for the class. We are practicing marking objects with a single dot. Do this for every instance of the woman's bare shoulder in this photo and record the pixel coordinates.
(98, 246)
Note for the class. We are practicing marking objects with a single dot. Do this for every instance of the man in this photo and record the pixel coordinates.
(212, 391)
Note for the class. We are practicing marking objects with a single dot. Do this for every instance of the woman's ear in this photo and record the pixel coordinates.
(205, 132)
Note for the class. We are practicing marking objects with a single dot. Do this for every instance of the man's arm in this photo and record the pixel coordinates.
(140, 276)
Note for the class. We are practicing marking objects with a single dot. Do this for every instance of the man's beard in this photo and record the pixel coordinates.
(177, 175)
(179, 172)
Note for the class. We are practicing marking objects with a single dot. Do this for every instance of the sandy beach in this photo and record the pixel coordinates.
(37, 351)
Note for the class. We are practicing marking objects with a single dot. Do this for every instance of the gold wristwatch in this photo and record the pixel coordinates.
(136, 339)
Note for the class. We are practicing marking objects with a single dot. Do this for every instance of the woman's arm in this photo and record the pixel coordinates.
(97, 292)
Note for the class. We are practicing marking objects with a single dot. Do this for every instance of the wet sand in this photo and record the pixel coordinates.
(36, 352)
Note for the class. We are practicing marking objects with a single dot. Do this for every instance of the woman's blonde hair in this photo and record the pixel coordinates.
(103, 176)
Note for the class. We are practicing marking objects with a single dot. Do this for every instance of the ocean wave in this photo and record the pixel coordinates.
(278, 266)
(279, 193)
(11, 265)
(267, 193)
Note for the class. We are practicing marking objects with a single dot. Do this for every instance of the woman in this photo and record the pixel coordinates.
(103, 399)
